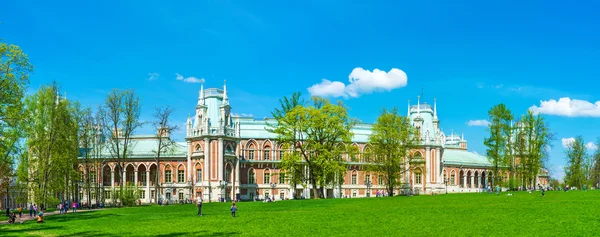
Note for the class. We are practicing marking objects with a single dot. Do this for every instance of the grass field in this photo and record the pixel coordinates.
(558, 214)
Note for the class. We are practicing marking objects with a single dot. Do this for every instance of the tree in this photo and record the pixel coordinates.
(291, 164)
(14, 78)
(322, 133)
(576, 156)
(595, 179)
(162, 121)
(86, 134)
(52, 144)
(121, 113)
(498, 148)
(392, 138)
(534, 136)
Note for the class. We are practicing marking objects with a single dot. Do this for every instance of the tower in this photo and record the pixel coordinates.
(212, 147)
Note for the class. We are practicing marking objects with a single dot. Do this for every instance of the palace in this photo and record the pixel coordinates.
(235, 157)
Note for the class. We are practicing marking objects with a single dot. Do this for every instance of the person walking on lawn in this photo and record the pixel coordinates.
(199, 204)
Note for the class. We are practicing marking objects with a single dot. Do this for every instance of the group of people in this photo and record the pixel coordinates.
(64, 207)
(233, 208)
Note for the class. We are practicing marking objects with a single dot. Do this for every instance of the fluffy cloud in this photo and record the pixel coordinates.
(481, 122)
(568, 107)
(566, 142)
(361, 82)
(188, 79)
(153, 76)
(591, 146)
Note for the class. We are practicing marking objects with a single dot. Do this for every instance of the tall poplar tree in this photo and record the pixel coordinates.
(391, 139)
(595, 179)
(535, 136)
(498, 148)
(576, 158)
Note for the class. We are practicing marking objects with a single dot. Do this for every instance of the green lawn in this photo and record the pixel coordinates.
(558, 214)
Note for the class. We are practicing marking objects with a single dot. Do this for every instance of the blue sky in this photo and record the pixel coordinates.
(468, 55)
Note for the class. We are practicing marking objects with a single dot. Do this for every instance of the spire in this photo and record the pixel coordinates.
(408, 108)
(434, 109)
(419, 105)
(201, 96)
(462, 136)
(225, 100)
(189, 120)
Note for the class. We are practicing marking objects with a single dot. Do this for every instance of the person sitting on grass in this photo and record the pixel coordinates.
(233, 209)
(40, 217)
(11, 218)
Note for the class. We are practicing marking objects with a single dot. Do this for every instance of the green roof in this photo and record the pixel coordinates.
(144, 146)
(464, 157)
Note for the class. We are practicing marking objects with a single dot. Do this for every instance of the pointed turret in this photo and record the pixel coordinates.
(225, 99)
(408, 108)
(419, 106)
(201, 94)
(434, 109)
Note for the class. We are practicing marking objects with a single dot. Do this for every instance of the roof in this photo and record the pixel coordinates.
(464, 157)
(144, 146)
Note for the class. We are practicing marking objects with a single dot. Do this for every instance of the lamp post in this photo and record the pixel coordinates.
(272, 194)
(223, 185)
(446, 182)
(369, 184)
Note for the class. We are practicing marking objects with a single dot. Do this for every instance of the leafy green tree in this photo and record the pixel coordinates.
(534, 137)
(14, 78)
(291, 164)
(53, 146)
(121, 117)
(391, 139)
(576, 158)
(595, 179)
(322, 133)
(498, 145)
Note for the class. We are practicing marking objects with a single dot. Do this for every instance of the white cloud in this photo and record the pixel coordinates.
(361, 82)
(188, 79)
(591, 146)
(566, 142)
(481, 122)
(153, 76)
(242, 115)
(548, 148)
(568, 107)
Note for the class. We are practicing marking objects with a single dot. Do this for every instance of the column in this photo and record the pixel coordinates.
(112, 179)
(190, 170)
(206, 182)
(440, 169)
(464, 179)
(135, 177)
(189, 162)
(428, 170)
(148, 185)
(220, 160)
(472, 181)
(237, 177)
(486, 179)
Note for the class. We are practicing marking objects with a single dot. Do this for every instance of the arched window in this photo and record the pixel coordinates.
(198, 173)
(418, 176)
(168, 174)
(267, 153)
(251, 152)
(267, 177)
(180, 174)
(354, 177)
(367, 155)
(281, 177)
(251, 178)
(198, 148)
(452, 178)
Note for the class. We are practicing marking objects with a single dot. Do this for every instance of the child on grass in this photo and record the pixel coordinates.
(233, 209)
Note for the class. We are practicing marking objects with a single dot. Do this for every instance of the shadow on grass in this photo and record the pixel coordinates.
(202, 233)
(20, 232)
